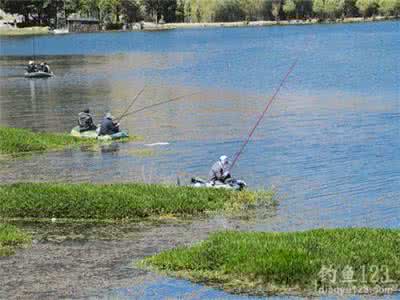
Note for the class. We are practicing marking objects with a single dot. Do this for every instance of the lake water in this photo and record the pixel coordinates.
(329, 145)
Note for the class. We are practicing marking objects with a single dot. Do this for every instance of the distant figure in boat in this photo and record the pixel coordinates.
(31, 68)
(86, 121)
(108, 126)
(220, 170)
(44, 67)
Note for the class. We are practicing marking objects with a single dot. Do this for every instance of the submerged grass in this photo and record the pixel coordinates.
(17, 140)
(10, 238)
(115, 201)
(290, 262)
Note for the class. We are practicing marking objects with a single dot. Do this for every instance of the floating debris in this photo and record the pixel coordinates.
(157, 144)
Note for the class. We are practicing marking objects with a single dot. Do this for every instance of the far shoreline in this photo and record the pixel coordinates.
(152, 27)
(313, 21)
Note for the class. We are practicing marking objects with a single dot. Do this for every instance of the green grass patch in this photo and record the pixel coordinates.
(115, 201)
(16, 140)
(291, 262)
(10, 238)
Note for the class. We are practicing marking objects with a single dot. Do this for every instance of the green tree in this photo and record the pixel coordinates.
(289, 9)
(204, 10)
(276, 9)
(72, 6)
(319, 8)
(229, 11)
(389, 7)
(180, 11)
(334, 8)
(153, 9)
(252, 9)
(303, 9)
(157, 9)
(328, 8)
(131, 11)
(110, 10)
(350, 9)
(367, 8)
(90, 8)
(188, 11)
(168, 10)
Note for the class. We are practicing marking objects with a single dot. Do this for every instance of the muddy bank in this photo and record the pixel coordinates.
(83, 260)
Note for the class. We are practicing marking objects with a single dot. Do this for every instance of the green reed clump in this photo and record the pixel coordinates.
(288, 262)
(17, 140)
(112, 201)
(10, 238)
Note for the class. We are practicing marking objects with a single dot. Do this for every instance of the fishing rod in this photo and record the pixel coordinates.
(247, 140)
(130, 105)
(160, 103)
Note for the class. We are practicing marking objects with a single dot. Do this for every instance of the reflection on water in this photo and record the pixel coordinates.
(329, 144)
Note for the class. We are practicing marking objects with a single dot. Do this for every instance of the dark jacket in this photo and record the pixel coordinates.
(108, 127)
(45, 68)
(31, 68)
(86, 122)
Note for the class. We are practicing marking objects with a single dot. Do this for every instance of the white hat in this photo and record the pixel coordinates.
(31, 62)
(223, 158)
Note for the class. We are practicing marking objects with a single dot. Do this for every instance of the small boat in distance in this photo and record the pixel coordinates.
(38, 74)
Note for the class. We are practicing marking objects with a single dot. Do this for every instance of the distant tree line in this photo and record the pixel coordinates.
(128, 11)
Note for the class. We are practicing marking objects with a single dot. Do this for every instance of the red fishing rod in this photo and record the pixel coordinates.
(271, 100)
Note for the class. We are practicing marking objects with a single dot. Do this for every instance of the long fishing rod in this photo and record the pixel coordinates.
(247, 140)
(130, 105)
(160, 103)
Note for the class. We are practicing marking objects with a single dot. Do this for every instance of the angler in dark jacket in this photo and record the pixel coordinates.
(220, 170)
(86, 121)
(108, 126)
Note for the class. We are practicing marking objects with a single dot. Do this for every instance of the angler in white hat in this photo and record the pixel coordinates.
(220, 170)
(31, 67)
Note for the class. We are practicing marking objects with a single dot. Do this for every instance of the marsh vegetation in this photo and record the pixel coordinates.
(120, 201)
(10, 238)
(288, 262)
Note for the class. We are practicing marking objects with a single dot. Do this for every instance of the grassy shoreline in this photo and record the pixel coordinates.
(24, 31)
(261, 263)
(11, 238)
(119, 201)
(20, 141)
(17, 140)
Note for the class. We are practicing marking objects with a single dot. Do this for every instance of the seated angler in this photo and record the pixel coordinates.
(86, 121)
(31, 68)
(220, 170)
(46, 67)
(108, 126)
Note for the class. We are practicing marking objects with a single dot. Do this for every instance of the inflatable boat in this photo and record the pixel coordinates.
(228, 184)
(38, 74)
(92, 134)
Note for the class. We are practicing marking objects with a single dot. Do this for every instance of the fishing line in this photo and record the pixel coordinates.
(247, 140)
(131, 104)
(161, 103)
